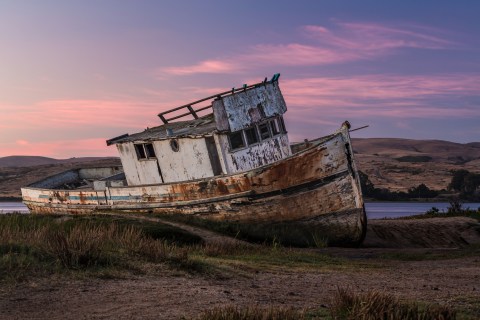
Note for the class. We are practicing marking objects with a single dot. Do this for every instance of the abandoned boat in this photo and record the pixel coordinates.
(231, 169)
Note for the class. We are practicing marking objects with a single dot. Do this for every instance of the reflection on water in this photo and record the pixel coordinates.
(375, 210)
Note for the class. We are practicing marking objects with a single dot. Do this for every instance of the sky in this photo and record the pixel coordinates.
(76, 73)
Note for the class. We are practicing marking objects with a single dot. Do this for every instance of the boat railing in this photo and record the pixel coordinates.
(194, 112)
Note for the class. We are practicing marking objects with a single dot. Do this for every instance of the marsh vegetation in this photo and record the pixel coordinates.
(112, 266)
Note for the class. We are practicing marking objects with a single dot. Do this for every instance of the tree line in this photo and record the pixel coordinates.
(466, 183)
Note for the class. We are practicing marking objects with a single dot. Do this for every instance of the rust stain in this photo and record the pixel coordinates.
(83, 198)
(60, 196)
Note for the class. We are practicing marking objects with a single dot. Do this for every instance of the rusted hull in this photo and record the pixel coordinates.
(311, 196)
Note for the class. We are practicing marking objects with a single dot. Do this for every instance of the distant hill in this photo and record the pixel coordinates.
(25, 161)
(30, 161)
(438, 150)
(399, 164)
(20, 171)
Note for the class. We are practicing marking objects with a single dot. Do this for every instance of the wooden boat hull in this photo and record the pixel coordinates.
(310, 198)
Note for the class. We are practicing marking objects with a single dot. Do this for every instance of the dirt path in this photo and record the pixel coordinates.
(171, 294)
(207, 235)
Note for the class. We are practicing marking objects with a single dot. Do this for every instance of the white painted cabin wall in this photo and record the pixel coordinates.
(254, 156)
(190, 162)
(137, 171)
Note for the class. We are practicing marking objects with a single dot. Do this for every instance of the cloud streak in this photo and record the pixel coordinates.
(346, 42)
(394, 96)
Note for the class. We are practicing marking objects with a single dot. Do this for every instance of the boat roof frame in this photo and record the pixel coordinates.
(191, 111)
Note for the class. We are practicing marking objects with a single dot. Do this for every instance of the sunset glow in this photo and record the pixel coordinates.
(75, 74)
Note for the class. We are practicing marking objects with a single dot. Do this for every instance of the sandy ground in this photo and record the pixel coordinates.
(171, 294)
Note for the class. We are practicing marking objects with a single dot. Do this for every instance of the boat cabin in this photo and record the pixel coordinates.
(241, 129)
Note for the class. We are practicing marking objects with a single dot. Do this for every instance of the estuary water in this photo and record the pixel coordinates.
(375, 210)
(380, 210)
(10, 207)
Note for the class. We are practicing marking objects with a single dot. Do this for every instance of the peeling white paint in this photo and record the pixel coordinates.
(252, 106)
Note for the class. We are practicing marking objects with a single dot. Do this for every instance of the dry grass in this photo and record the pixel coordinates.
(375, 305)
(252, 313)
(31, 245)
(225, 248)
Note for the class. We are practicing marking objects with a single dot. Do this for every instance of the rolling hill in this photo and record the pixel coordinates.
(28, 169)
(399, 164)
(28, 161)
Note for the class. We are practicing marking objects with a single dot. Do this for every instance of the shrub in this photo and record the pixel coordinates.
(375, 305)
(44, 243)
(414, 159)
(251, 313)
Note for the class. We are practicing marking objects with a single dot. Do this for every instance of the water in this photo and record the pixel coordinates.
(375, 210)
(9, 207)
(379, 210)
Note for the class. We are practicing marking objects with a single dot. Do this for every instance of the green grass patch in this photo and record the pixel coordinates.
(263, 257)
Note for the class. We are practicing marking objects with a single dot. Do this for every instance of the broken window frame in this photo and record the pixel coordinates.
(235, 146)
(150, 150)
(256, 136)
(268, 132)
(282, 127)
(144, 151)
(275, 126)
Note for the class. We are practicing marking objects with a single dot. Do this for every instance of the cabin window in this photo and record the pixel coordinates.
(174, 145)
(275, 127)
(252, 135)
(264, 131)
(145, 151)
(236, 140)
(140, 151)
(282, 124)
(150, 151)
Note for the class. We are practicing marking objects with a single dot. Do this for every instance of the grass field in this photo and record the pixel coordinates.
(123, 248)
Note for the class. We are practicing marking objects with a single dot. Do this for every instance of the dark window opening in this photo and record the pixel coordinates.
(264, 131)
(140, 151)
(236, 140)
(275, 127)
(261, 110)
(145, 151)
(282, 125)
(150, 151)
(252, 135)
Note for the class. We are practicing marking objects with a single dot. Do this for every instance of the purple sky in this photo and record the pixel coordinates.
(74, 74)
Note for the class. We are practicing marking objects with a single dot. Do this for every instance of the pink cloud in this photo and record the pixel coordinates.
(22, 142)
(80, 127)
(208, 66)
(64, 114)
(344, 43)
(384, 95)
(59, 148)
